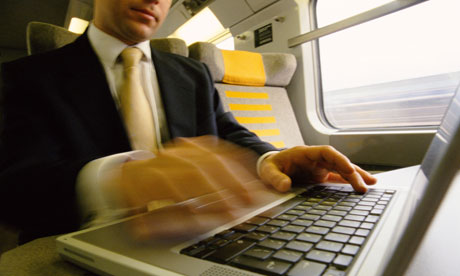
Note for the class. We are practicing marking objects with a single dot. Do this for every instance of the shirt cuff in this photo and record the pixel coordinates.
(262, 158)
(99, 202)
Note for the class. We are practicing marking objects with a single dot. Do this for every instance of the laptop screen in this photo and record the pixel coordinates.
(439, 166)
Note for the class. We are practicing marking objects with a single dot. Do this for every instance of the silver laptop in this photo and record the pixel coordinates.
(321, 230)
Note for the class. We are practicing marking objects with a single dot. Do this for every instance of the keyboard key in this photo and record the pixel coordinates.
(193, 249)
(235, 236)
(347, 204)
(320, 256)
(376, 211)
(302, 222)
(372, 218)
(310, 217)
(342, 208)
(363, 208)
(299, 246)
(309, 237)
(283, 207)
(307, 268)
(268, 229)
(324, 223)
(331, 218)
(316, 212)
(288, 255)
(330, 246)
(294, 228)
(343, 261)
(359, 212)
(244, 227)
(295, 212)
(270, 266)
(367, 225)
(205, 253)
(272, 244)
(367, 203)
(317, 230)
(337, 237)
(302, 207)
(256, 236)
(362, 232)
(357, 240)
(285, 236)
(225, 254)
(337, 213)
(287, 217)
(323, 207)
(350, 249)
(259, 253)
(349, 223)
(224, 233)
(371, 199)
(278, 222)
(344, 230)
(355, 217)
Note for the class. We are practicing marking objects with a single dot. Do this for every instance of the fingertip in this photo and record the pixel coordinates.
(283, 185)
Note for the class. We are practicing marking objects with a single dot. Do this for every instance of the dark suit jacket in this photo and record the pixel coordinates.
(58, 114)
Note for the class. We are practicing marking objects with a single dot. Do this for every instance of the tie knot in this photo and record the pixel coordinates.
(131, 57)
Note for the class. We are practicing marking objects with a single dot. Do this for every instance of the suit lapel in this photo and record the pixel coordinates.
(177, 94)
(89, 94)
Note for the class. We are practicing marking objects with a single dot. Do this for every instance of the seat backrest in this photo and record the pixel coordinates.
(43, 37)
(253, 87)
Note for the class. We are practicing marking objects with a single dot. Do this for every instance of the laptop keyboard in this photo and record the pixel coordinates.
(319, 232)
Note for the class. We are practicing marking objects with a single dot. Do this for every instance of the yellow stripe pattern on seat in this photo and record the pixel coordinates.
(250, 107)
(256, 120)
(278, 144)
(266, 132)
(246, 95)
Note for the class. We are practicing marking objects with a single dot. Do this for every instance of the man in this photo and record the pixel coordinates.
(64, 126)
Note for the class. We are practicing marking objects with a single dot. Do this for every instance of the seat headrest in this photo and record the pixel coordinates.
(243, 67)
(170, 45)
(43, 37)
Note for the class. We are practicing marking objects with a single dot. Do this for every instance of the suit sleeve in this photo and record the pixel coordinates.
(37, 173)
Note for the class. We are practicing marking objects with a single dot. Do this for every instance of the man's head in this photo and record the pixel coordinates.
(131, 21)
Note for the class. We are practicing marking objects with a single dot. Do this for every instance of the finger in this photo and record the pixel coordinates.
(335, 178)
(367, 177)
(272, 175)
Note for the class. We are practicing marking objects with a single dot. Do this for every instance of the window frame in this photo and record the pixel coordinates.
(397, 146)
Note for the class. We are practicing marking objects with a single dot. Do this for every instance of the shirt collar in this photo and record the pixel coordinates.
(108, 48)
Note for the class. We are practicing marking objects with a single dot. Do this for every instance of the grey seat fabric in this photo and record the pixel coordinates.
(42, 37)
(265, 109)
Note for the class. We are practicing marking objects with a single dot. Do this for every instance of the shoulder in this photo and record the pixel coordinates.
(47, 62)
(178, 61)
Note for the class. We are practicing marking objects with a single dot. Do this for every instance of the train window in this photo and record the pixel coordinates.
(399, 70)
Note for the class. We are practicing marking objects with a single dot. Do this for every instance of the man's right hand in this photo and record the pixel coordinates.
(217, 175)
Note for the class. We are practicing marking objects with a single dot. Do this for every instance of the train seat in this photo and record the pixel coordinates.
(42, 37)
(253, 87)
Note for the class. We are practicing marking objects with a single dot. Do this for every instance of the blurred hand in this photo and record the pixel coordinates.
(312, 164)
(217, 175)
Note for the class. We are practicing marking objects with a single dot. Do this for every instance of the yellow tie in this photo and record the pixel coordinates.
(135, 107)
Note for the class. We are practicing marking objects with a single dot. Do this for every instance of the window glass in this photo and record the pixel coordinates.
(396, 71)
